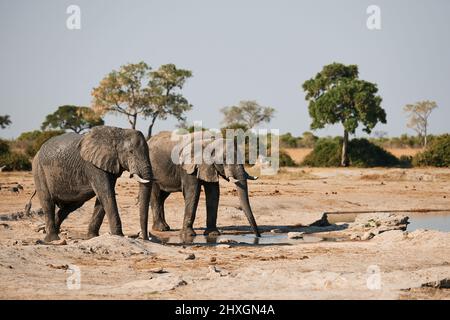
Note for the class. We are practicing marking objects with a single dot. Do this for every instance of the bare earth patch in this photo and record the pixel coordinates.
(391, 265)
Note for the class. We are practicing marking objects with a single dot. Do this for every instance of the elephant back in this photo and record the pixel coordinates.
(59, 148)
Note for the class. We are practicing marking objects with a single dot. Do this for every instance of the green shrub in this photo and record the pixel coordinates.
(406, 161)
(15, 162)
(4, 147)
(362, 153)
(286, 160)
(32, 141)
(437, 153)
(326, 153)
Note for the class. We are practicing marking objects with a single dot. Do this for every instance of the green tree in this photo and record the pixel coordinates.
(337, 95)
(247, 114)
(4, 121)
(165, 96)
(418, 118)
(134, 90)
(72, 118)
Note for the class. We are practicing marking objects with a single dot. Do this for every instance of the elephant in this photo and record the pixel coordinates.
(71, 169)
(188, 178)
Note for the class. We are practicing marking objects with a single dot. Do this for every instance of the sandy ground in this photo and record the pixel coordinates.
(298, 154)
(392, 265)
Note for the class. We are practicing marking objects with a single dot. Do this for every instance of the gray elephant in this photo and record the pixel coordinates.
(70, 169)
(189, 178)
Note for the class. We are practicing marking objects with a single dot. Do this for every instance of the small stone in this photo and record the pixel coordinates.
(295, 235)
(223, 246)
(276, 231)
(62, 242)
(190, 257)
(355, 237)
(213, 259)
(158, 270)
(225, 240)
(367, 236)
(40, 228)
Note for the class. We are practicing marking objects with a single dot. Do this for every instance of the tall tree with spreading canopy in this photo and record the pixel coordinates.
(418, 117)
(134, 90)
(5, 121)
(73, 118)
(246, 114)
(337, 95)
(165, 97)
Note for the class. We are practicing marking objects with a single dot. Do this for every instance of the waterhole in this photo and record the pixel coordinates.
(242, 239)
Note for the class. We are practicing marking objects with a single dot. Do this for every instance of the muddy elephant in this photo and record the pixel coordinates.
(70, 169)
(188, 178)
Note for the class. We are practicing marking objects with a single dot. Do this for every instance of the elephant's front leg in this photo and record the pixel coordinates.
(212, 193)
(104, 189)
(96, 220)
(191, 194)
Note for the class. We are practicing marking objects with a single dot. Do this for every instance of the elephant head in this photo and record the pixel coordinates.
(115, 150)
(229, 168)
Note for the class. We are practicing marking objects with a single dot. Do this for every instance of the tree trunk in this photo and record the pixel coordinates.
(344, 159)
(425, 138)
(150, 128)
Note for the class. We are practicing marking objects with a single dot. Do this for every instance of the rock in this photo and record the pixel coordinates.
(383, 221)
(355, 236)
(295, 235)
(367, 236)
(439, 284)
(276, 231)
(62, 242)
(223, 246)
(307, 219)
(190, 257)
(227, 241)
(40, 228)
(158, 270)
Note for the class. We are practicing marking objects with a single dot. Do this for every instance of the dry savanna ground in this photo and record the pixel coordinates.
(391, 265)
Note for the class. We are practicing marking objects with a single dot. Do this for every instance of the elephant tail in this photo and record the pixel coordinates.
(28, 205)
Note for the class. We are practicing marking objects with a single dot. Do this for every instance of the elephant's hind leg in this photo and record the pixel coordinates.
(63, 212)
(48, 206)
(96, 221)
(158, 197)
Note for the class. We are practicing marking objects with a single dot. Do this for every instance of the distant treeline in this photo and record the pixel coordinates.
(309, 140)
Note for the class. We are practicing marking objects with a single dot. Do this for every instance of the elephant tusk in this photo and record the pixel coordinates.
(139, 179)
(232, 179)
(249, 177)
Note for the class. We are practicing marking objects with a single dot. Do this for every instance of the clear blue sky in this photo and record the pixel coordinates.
(237, 50)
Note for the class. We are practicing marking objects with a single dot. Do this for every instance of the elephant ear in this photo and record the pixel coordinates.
(98, 147)
(205, 172)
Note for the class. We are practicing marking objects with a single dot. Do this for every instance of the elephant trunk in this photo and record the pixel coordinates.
(242, 191)
(144, 200)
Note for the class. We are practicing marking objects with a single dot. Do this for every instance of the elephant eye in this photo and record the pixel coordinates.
(131, 151)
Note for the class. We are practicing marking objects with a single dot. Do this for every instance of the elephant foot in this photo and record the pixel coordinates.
(213, 232)
(118, 233)
(188, 232)
(51, 237)
(160, 226)
(91, 235)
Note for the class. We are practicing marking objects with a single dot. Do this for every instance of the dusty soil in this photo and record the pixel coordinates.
(392, 265)
(298, 154)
